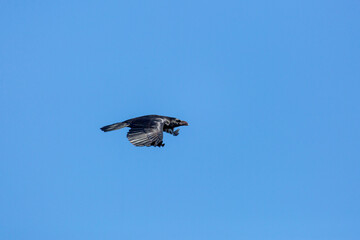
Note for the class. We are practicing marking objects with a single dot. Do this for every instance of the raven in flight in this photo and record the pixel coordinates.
(148, 130)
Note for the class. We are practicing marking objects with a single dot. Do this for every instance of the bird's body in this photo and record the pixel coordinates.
(148, 130)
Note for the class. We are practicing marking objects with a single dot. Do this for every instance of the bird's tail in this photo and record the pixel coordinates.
(114, 126)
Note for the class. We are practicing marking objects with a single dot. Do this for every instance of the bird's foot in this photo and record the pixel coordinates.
(172, 132)
(176, 132)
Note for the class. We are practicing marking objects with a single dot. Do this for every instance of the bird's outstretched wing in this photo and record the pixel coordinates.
(146, 132)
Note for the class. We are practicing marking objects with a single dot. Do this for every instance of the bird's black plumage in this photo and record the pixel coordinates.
(148, 130)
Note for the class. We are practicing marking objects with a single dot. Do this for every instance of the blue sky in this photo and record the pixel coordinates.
(270, 90)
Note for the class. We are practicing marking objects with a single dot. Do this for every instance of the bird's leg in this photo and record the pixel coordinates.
(169, 130)
(172, 132)
(176, 132)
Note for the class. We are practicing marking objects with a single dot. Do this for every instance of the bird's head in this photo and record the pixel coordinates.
(177, 122)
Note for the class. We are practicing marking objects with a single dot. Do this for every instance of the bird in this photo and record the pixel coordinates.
(148, 130)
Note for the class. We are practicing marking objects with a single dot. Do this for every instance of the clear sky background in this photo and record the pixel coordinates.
(270, 90)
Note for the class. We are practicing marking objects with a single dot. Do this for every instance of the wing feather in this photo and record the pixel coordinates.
(147, 132)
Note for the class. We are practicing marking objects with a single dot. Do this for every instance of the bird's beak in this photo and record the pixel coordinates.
(184, 123)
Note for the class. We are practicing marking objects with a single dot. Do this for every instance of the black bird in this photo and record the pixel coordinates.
(148, 130)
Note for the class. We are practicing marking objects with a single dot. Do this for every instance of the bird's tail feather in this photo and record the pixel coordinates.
(114, 126)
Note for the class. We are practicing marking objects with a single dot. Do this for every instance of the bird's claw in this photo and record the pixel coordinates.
(176, 132)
